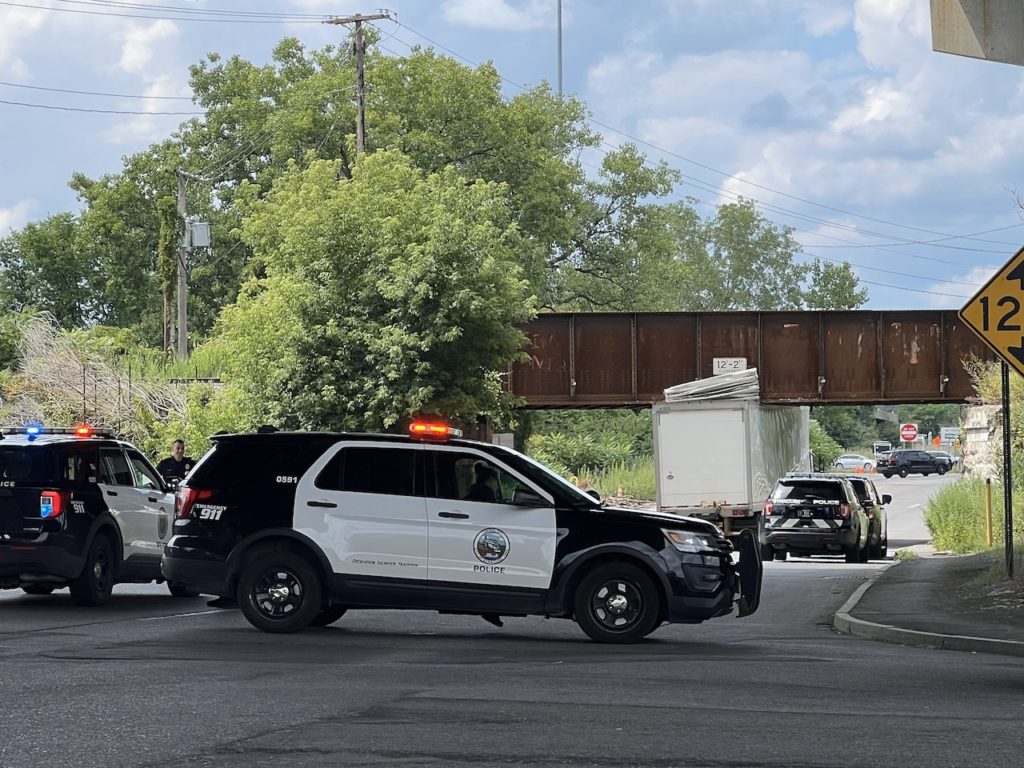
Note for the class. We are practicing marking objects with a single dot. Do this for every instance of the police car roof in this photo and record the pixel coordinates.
(51, 439)
(357, 436)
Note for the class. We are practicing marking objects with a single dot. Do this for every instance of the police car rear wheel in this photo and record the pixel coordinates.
(617, 603)
(280, 591)
(328, 615)
(94, 585)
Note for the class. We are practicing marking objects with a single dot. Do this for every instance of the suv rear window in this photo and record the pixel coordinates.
(26, 464)
(257, 460)
(798, 490)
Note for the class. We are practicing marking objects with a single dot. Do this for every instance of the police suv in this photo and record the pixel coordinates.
(815, 514)
(79, 509)
(301, 527)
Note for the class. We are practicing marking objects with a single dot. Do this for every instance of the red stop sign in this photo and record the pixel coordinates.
(908, 432)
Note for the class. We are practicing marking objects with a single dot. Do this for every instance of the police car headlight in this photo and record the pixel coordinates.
(685, 541)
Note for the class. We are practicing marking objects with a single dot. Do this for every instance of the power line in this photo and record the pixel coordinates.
(95, 93)
(97, 111)
(211, 19)
(193, 11)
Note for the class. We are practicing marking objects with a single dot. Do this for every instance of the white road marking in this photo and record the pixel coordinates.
(913, 506)
(180, 615)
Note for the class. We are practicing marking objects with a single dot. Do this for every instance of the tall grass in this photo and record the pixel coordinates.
(635, 478)
(956, 517)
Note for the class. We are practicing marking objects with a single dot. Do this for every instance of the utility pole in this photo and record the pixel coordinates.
(183, 176)
(360, 46)
(559, 48)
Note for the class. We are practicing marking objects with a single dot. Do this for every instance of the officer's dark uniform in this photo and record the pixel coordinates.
(171, 469)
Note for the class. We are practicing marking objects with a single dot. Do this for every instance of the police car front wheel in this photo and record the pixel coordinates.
(280, 591)
(617, 603)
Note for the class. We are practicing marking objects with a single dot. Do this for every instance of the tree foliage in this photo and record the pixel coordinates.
(402, 290)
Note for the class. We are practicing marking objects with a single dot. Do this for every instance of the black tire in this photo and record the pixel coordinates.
(887, 475)
(852, 555)
(177, 589)
(883, 549)
(903, 472)
(328, 615)
(942, 469)
(780, 555)
(37, 589)
(867, 467)
(617, 603)
(93, 586)
(864, 555)
(280, 591)
(767, 553)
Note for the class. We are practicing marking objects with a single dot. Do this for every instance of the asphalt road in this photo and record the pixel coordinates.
(154, 681)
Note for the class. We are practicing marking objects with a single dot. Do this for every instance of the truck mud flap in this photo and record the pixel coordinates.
(750, 571)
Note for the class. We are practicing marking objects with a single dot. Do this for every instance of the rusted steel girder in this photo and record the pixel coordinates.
(854, 357)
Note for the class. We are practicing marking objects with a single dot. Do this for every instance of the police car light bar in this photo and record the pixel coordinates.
(33, 431)
(433, 430)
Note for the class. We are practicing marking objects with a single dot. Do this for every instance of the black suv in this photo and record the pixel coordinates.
(874, 503)
(815, 514)
(908, 462)
(300, 527)
(79, 509)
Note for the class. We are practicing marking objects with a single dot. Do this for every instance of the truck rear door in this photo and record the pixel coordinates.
(702, 458)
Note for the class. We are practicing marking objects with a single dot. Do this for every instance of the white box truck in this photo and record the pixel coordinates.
(718, 459)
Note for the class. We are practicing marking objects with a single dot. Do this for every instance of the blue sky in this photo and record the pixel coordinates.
(835, 115)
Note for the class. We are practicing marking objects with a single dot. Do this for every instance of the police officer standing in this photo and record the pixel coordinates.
(177, 465)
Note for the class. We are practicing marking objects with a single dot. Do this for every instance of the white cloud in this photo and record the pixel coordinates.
(17, 25)
(16, 216)
(140, 42)
(956, 288)
(502, 14)
(141, 129)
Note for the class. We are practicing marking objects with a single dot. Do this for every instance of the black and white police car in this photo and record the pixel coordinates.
(301, 527)
(82, 510)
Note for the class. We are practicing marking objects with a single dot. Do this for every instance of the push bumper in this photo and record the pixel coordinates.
(704, 592)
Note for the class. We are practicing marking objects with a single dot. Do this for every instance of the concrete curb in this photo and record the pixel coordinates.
(848, 624)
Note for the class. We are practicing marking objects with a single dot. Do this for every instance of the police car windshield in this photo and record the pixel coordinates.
(547, 478)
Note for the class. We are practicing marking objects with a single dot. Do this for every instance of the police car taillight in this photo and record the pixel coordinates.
(769, 509)
(844, 511)
(433, 430)
(187, 497)
(51, 504)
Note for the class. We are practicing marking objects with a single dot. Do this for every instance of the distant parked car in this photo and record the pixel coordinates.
(944, 456)
(853, 461)
(907, 462)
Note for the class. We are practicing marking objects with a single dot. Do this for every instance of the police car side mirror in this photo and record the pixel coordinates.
(171, 484)
(593, 492)
(886, 498)
(526, 498)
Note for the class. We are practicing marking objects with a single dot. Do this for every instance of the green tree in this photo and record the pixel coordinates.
(409, 291)
(42, 268)
(824, 449)
(739, 260)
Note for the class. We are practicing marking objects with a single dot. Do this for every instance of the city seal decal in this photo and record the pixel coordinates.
(491, 546)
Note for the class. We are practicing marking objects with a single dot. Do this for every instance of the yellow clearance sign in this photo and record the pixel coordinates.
(996, 313)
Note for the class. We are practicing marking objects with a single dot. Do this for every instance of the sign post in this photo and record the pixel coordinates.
(994, 313)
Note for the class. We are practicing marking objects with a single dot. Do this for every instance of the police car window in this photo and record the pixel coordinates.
(77, 467)
(114, 469)
(799, 490)
(378, 470)
(144, 476)
(468, 477)
(23, 464)
(862, 490)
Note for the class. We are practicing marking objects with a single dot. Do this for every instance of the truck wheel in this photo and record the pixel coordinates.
(177, 589)
(328, 615)
(280, 591)
(93, 586)
(780, 554)
(617, 603)
(904, 472)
